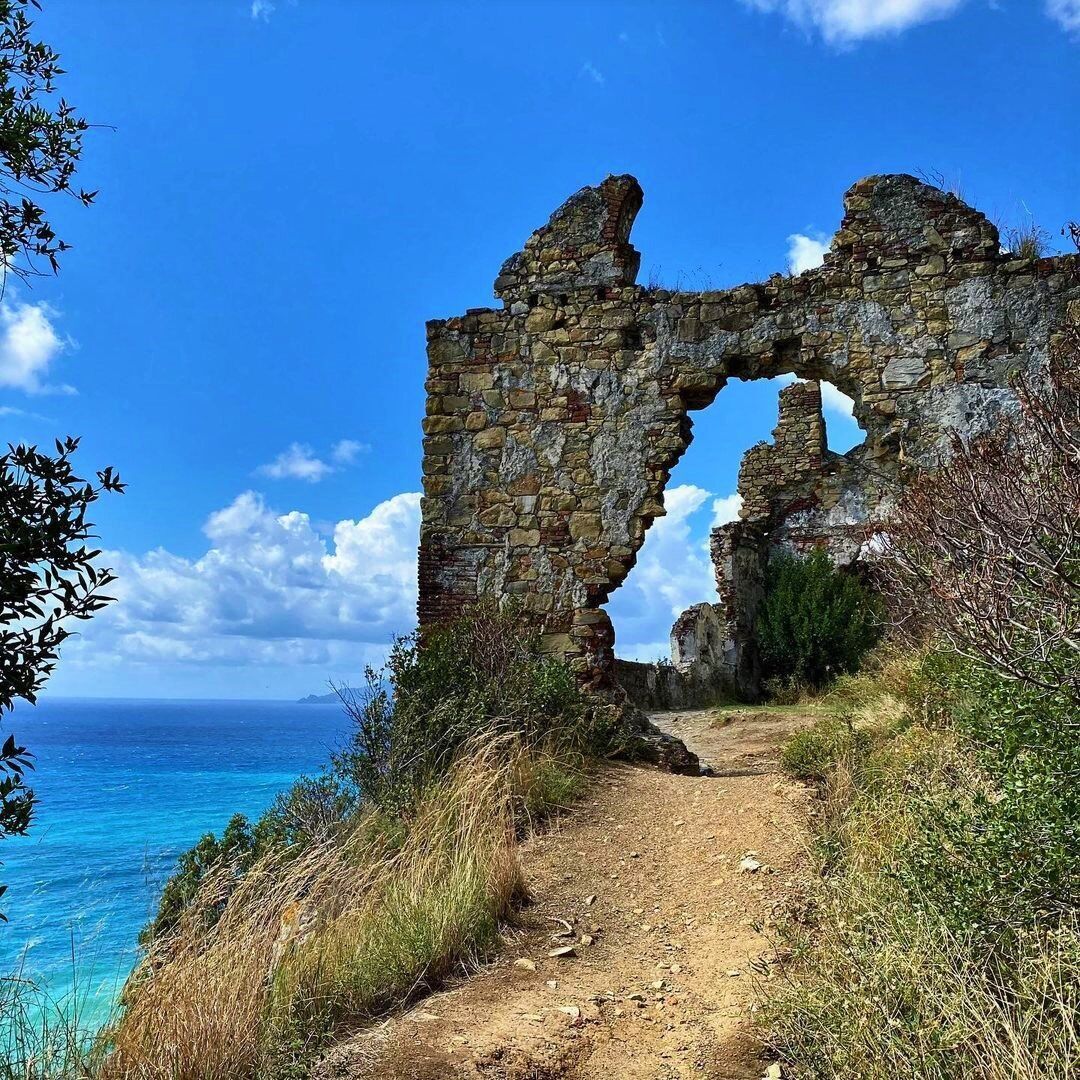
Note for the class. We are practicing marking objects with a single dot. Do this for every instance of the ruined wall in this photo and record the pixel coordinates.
(553, 422)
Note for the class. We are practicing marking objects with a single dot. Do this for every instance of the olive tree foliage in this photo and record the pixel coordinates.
(49, 577)
(40, 145)
(984, 551)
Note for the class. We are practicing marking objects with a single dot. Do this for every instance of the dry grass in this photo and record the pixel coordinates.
(882, 985)
(308, 945)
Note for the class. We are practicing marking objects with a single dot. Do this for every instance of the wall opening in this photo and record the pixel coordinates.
(673, 569)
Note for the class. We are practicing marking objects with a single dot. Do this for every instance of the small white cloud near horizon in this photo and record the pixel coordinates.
(29, 343)
(806, 252)
(262, 10)
(593, 73)
(844, 22)
(1066, 13)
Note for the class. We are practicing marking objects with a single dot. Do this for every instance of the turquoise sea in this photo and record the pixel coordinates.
(124, 787)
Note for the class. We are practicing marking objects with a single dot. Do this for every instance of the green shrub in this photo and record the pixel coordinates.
(483, 672)
(816, 622)
(813, 753)
(946, 933)
(237, 849)
(1005, 857)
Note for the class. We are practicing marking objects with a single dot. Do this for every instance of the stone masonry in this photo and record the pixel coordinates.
(553, 422)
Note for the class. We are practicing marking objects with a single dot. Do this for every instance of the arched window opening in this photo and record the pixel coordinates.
(674, 569)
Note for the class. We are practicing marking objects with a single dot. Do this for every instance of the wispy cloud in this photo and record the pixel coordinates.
(842, 22)
(806, 252)
(262, 9)
(29, 343)
(1066, 13)
(300, 462)
(589, 70)
(346, 451)
(10, 410)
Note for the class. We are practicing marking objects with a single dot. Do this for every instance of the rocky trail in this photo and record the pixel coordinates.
(652, 906)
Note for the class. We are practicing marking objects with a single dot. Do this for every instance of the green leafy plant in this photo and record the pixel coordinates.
(816, 621)
(49, 577)
(40, 146)
(47, 574)
(481, 672)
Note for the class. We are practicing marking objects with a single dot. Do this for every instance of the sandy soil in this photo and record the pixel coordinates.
(651, 883)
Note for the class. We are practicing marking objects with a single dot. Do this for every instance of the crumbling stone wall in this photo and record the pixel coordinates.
(553, 422)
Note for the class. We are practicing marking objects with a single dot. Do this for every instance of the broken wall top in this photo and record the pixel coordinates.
(553, 423)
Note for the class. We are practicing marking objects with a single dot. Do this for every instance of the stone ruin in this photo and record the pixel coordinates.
(554, 421)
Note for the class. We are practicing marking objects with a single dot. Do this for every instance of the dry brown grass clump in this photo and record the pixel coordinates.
(310, 943)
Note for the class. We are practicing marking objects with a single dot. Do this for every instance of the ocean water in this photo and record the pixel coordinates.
(125, 786)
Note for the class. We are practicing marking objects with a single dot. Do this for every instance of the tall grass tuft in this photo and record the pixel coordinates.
(42, 1036)
(903, 970)
(311, 943)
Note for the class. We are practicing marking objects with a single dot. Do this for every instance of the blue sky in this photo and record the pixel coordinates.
(289, 190)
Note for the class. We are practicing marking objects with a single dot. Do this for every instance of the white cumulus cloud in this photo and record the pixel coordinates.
(29, 343)
(806, 252)
(846, 21)
(837, 402)
(672, 572)
(269, 590)
(726, 510)
(833, 400)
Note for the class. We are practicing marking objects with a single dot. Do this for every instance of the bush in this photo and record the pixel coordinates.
(1007, 856)
(946, 939)
(816, 622)
(483, 672)
(814, 753)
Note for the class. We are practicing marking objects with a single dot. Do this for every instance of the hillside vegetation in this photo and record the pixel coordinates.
(361, 887)
(944, 939)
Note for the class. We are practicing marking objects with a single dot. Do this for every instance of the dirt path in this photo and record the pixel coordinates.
(644, 882)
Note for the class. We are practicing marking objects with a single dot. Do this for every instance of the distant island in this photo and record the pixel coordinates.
(321, 699)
